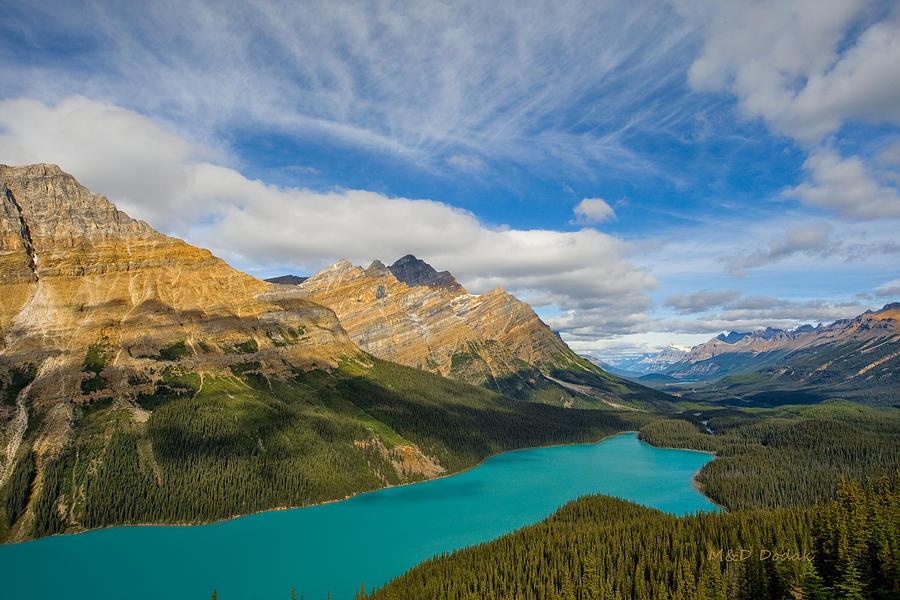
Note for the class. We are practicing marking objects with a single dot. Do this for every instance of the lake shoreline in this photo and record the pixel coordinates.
(695, 484)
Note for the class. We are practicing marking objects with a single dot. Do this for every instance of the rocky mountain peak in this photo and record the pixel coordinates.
(340, 270)
(55, 207)
(413, 271)
(76, 272)
(376, 269)
(412, 314)
(732, 337)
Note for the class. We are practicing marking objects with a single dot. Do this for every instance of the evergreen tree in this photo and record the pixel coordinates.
(813, 586)
(849, 587)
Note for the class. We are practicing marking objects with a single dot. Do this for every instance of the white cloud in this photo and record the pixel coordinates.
(809, 239)
(422, 81)
(889, 288)
(807, 68)
(157, 176)
(797, 64)
(701, 301)
(587, 330)
(863, 84)
(113, 150)
(594, 210)
(845, 186)
(784, 315)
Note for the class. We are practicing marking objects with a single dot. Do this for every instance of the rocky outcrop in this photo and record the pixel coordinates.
(412, 314)
(81, 281)
(414, 272)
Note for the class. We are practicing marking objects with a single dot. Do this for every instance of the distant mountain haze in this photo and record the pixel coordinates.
(856, 359)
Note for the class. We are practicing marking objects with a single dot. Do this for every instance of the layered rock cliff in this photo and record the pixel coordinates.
(95, 306)
(426, 319)
(78, 273)
(414, 315)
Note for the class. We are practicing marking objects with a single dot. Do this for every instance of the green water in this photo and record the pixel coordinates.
(335, 547)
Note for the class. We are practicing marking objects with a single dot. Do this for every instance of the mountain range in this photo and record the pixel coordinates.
(412, 314)
(857, 359)
(143, 380)
(650, 362)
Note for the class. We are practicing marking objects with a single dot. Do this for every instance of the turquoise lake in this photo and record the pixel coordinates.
(334, 547)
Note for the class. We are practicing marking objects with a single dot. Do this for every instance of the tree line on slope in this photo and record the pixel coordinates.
(787, 457)
(247, 443)
(602, 548)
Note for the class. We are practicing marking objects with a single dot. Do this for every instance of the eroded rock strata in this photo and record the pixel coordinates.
(412, 314)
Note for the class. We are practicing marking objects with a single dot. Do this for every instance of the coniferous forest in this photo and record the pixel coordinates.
(812, 499)
(604, 548)
(231, 445)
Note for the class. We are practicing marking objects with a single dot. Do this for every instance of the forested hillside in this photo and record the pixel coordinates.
(785, 535)
(218, 446)
(602, 548)
(785, 457)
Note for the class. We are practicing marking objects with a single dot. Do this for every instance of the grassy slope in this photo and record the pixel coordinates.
(240, 443)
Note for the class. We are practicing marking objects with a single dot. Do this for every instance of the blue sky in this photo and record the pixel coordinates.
(641, 172)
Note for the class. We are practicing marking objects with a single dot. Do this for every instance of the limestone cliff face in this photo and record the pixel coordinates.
(411, 314)
(76, 274)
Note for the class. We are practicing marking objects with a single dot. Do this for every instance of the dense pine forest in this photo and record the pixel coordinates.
(216, 447)
(602, 548)
(784, 457)
(795, 528)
